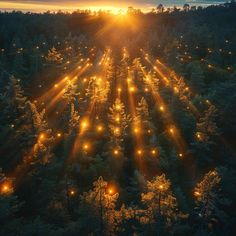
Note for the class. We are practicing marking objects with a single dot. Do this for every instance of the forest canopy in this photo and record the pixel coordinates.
(118, 124)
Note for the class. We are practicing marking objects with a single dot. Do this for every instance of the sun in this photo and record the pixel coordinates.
(111, 9)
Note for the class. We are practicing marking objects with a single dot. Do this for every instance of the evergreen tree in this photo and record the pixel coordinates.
(118, 120)
(74, 120)
(54, 56)
(161, 204)
(206, 126)
(14, 102)
(208, 200)
(102, 201)
(44, 139)
(137, 70)
(70, 92)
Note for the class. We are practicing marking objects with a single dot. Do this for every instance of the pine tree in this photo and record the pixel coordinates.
(182, 89)
(118, 120)
(70, 92)
(74, 120)
(54, 56)
(160, 202)
(206, 126)
(143, 111)
(98, 90)
(110, 71)
(152, 81)
(208, 200)
(13, 118)
(123, 68)
(14, 102)
(43, 135)
(103, 203)
(137, 70)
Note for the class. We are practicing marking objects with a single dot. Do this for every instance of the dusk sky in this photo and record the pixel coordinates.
(43, 5)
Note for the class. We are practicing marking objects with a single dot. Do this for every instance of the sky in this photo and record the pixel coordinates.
(114, 5)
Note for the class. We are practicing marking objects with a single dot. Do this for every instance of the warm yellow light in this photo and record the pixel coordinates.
(196, 193)
(136, 130)
(58, 135)
(117, 119)
(72, 192)
(99, 128)
(116, 152)
(171, 130)
(110, 191)
(55, 85)
(161, 186)
(154, 152)
(5, 188)
(146, 89)
(119, 89)
(84, 125)
(161, 108)
(41, 136)
(132, 89)
(117, 130)
(118, 107)
(86, 147)
(84, 80)
(139, 152)
(176, 90)
(180, 154)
